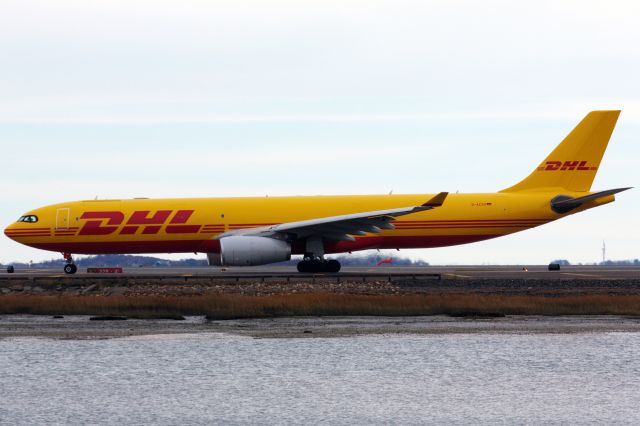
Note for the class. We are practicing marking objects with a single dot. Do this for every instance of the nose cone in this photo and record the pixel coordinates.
(7, 230)
(10, 231)
(28, 229)
(22, 232)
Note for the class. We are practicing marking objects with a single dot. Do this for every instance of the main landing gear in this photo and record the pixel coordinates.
(69, 267)
(313, 265)
(314, 260)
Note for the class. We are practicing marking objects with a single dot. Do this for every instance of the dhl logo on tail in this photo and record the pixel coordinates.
(566, 165)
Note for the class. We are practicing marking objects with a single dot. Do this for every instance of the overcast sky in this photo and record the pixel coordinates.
(208, 98)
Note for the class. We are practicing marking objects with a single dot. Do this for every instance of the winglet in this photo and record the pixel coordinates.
(436, 201)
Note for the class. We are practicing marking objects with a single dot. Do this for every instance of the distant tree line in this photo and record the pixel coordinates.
(629, 262)
(370, 259)
(132, 261)
(634, 262)
(561, 262)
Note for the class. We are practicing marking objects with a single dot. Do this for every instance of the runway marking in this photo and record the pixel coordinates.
(580, 275)
(483, 271)
(458, 275)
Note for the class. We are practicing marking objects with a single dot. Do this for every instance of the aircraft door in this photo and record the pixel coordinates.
(62, 219)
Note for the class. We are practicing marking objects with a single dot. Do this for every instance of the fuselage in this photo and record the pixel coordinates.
(192, 224)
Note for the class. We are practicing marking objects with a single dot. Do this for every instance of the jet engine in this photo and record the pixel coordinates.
(249, 251)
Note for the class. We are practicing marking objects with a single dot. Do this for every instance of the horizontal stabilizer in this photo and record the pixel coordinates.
(564, 203)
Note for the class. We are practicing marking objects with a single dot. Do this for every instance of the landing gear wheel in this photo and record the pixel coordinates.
(310, 266)
(316, 265)
(70, 267)
(332, 266)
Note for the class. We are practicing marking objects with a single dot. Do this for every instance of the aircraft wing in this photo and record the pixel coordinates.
(340, 228)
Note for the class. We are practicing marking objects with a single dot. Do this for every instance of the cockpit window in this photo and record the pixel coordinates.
(30, 219)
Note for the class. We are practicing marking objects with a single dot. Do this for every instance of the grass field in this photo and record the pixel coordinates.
(230, 306)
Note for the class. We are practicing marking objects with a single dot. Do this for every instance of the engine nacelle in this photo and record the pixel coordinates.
(250, 251)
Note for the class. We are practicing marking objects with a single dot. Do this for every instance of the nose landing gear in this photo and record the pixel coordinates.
(69, 267)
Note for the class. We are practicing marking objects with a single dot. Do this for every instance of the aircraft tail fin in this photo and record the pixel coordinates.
(574, 163)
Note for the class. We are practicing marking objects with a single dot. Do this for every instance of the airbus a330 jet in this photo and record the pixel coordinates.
(263, 230)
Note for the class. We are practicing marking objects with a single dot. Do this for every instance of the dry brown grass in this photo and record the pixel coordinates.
(227, 306)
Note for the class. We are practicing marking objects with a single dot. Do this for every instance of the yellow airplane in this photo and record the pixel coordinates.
(258, 231)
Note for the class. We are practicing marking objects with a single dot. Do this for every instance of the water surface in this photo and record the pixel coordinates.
(222, 378)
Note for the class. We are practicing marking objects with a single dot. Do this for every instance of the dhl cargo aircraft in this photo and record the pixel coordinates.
(257, 231)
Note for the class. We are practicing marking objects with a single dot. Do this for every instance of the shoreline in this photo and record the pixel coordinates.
(79, 327)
